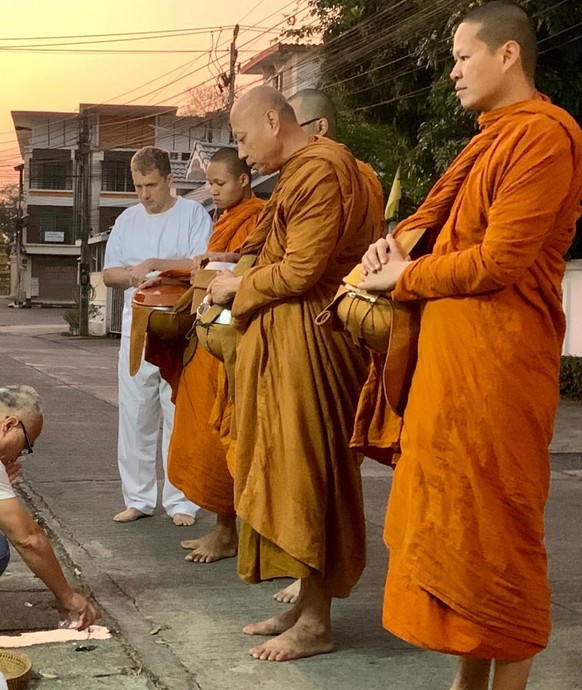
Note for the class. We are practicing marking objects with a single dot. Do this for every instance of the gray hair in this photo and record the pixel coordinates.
(20, 401)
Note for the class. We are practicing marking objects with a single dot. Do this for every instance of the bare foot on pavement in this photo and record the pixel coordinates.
(214, 546)
(183, 520)
(129, 515)
(289, 594)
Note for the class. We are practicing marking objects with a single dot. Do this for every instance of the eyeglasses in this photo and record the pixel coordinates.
(309, 122)
(28, 449)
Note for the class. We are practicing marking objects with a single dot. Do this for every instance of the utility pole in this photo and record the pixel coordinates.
(232, 68)
(83, 217)
(18, 234)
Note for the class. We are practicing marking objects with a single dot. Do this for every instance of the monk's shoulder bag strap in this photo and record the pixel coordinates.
(367, 316)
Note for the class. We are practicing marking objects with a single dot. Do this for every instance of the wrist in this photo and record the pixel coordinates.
(65, 598)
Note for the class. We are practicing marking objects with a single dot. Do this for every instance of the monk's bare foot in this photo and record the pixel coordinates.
(298, 642)
(276, 625)
(129, 515)
(189, 543)
(214, 546)
(183, 520)
(289, 594)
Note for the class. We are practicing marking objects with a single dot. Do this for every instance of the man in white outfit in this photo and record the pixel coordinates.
(160, 233)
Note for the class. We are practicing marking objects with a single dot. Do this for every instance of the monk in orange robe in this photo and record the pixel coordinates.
(316, 116)
(197, 453)
(297, 485)
(467, 571)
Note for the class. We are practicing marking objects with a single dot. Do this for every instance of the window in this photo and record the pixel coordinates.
(51, 169)
(50, 225)
(116, 172)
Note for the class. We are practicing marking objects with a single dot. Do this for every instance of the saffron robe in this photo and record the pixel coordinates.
(465, 517)
(297, 484)
(375, 195)
(197, 454)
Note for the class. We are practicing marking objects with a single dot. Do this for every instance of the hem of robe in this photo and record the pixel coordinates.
(260, 559)
(201, 498)
(420, 618)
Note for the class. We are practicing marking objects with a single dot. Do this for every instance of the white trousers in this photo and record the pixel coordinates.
(144, 399)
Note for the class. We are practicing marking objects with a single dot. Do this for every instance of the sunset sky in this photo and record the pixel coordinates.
(60, 81)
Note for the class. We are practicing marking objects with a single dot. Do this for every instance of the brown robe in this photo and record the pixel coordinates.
(297, 484)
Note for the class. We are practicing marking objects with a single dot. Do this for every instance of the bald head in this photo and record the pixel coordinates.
(265, 129)
(500, 22)
(315, 112)
(228, 178)
(229, 157)
(261, 100)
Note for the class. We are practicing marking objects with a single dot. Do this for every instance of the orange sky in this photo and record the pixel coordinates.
(47, 81)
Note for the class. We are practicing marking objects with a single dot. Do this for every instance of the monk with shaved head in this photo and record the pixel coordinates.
(465, 522)
(297, 485)
(317, 116)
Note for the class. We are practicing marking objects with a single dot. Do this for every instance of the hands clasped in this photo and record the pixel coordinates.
(138, 273)
(382, 265)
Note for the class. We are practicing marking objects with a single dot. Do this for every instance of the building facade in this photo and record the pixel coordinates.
(45, 260)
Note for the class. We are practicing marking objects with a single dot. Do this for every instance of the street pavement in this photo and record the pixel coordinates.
(177, 625)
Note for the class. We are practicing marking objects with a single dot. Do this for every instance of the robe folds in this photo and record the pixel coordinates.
(375, 194)
(197, 454)
(297, 484)
(464, 524)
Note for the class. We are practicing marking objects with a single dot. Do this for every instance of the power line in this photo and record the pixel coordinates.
(264, 31)
(192, 30)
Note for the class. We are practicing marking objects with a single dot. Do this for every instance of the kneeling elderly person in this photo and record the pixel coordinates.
(21, 422)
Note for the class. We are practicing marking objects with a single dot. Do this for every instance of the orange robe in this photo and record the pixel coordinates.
(464, 524)
(297, 484)
(197, 457)
(375, 195)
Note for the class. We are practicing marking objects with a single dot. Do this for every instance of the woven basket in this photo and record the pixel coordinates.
(16, 667)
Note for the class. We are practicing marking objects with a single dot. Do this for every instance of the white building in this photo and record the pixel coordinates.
(44, 267)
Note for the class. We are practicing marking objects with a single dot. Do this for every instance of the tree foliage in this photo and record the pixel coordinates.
(387, 64)
(204, 100)
(8, 206)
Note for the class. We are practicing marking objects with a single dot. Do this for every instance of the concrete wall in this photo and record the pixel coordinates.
(572, 302)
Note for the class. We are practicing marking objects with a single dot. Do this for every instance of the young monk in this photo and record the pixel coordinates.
(297, 485)
(467, 572)
(197, 453)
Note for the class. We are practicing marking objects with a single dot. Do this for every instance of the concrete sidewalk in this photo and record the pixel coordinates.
(178, 624)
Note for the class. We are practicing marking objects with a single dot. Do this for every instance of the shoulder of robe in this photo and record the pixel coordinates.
(560, 130)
